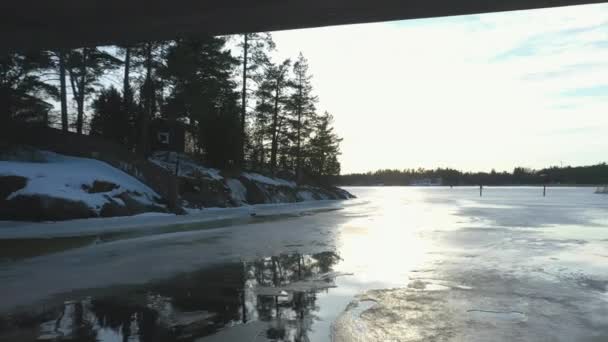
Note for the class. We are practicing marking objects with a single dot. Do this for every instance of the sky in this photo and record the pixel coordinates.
(478, 92)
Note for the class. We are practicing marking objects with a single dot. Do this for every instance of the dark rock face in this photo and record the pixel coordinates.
(124, 204)
(204, 192)
(10, 184)
(259, 193)
(113, 208)
(255, 195)
(46, 208)
(43, 208)
(100, 186)
(337, 193)
(134, 207)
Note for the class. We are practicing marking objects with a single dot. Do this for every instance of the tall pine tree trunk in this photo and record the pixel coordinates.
(275, 128)
(243, 101)
(81, 92)
(299, 140)
(63, 92)
(148, 90)
(126, 87)
(77, 84)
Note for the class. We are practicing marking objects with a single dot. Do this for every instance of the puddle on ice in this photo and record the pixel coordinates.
(277, 294)
(435, 285)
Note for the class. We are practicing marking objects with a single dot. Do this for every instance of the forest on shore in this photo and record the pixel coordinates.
(241, 109)
(568, 175)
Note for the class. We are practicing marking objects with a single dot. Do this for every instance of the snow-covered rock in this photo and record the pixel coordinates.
(256, 177)
(238, 192)
(186, 167)
(45, 186)
(54, 186)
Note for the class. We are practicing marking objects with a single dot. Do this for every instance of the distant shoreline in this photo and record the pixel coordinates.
(485, 185)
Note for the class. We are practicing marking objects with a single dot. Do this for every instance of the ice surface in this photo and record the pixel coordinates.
(148, 221)
(433, 264)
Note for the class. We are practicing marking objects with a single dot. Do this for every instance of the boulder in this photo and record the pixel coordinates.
(134, 207)
(255, 195)
(43, 208)
(113, 208)
(100, 186)
(10, 184)
(204, 192)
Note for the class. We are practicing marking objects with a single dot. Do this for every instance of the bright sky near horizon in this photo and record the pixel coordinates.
(525, 88)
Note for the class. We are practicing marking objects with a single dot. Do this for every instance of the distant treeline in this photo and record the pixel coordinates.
(581, 175)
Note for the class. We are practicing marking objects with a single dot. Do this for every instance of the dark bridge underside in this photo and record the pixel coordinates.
(73, 23)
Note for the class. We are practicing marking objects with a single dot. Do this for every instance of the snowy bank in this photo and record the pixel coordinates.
(203, 187)
(42, 185)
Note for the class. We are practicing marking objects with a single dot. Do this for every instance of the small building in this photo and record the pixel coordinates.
(165, 136)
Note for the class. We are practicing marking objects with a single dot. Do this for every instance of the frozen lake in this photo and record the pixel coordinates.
(396, 264)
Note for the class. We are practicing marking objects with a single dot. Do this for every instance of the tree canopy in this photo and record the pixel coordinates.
(239, 107)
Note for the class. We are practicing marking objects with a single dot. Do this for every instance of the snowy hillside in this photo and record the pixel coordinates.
(186, 166)
(203, 187)
(51, 177)
(45, 186)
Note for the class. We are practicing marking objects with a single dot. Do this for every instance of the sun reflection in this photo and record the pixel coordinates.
(383, 248)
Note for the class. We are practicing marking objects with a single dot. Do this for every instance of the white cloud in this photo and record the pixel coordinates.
(436, 92)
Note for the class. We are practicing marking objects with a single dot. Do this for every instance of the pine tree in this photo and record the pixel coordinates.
(143, 87)
(110, 119)
(60, 66)
(199, 74)
(85, 66)
(272, 98)
(256, 47)
(22, 89)
(324, 148)
(301, 107)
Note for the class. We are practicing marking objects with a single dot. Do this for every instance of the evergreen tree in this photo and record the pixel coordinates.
(143, 87)
(22, 90)
(272, 98)
(301, 107)
(199, 74)
(324, 148)
(60, 66)
(110, 120)
(85, 66)
(256, 47)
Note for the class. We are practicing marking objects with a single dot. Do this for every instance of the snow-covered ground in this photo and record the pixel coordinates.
(189, 168)
(65, 177)
(186, 166)
(268, 180)
(69, 182)
(149, 221)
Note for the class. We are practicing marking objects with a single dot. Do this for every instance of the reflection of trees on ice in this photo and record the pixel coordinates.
(78, 321)
(279, 290)
(286, 292)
